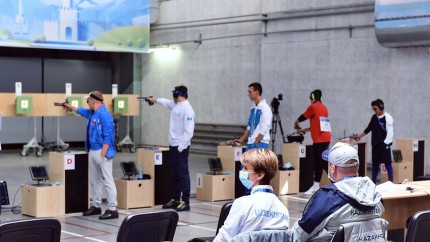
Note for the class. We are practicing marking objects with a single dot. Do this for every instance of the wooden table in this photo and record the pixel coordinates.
(420, 183)
(402, 204)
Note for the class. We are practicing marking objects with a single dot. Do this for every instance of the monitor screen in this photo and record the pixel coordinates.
(4, 195)
(38, 173)
(129, 168)
(397, 155)
(215, 164)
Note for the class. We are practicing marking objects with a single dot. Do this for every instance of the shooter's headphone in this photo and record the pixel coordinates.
(316, 94)
(379, 103)
(180, 91)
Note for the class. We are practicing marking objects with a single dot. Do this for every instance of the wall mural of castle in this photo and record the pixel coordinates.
(94, 25)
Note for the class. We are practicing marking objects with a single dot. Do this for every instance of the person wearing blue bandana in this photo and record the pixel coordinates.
(261, 210)
(349, 199)
(181, 130)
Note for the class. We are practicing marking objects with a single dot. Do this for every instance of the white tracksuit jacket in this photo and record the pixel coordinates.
(260, 122)
(181, 127)
(258, 211)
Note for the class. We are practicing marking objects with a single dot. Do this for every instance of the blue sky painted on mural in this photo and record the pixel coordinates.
(98, 15)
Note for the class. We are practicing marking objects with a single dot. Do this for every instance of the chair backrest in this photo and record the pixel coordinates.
(362, 231)
(31, 230)
(148, 227)
(262, 236)
(419, 227)
(225, 210)
(339, 236)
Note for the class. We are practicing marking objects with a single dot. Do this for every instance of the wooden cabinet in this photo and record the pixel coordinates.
(70, 169)
(285, 182)
(230, 160)
(43, 201)
(214, 187)
(228, 155)
(413, 150)
(301, 158)
(134, 193)
(156, 163)
(402, 170)
(292, 153)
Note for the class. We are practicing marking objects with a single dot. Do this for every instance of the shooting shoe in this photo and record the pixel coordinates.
(92, 211)
(109, 214)
(182, 207)
(171, 204)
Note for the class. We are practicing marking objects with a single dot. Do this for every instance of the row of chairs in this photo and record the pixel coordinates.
(418, 229)
(140, 227)
(161, 226)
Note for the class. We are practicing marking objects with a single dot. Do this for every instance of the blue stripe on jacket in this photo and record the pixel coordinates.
(324, 203)
(254, 119)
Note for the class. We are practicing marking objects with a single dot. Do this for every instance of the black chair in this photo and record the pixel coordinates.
(419, 227)
(225, 210)
(263, 236)
(339, 236)
(148, 227)
(31, 230)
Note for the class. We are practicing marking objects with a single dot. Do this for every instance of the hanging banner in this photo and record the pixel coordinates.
(93, 25)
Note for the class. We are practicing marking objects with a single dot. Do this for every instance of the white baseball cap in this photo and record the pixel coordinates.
(340, 154)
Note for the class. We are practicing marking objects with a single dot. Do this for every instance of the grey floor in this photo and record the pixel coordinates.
(200, 221)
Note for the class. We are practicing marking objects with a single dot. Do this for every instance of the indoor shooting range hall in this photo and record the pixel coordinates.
(214, 120)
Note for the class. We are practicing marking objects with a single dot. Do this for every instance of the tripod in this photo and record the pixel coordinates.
(275, 121)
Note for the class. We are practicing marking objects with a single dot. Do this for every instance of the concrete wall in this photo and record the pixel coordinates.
(309, 46)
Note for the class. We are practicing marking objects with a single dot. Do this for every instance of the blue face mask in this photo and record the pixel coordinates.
(243, 176)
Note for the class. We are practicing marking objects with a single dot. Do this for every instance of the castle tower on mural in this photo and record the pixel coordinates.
(68, 27)
(21, 27)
